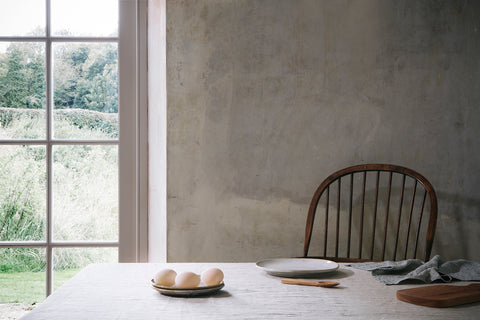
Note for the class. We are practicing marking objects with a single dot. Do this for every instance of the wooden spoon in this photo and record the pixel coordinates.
(325, 284)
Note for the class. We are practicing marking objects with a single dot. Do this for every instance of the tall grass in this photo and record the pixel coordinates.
(85, 188)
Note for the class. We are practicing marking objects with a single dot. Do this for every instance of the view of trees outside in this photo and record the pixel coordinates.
(84, 176)
(85, 77)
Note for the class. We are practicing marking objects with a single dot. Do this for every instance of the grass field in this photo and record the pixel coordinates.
(29, 287)
(84, 188)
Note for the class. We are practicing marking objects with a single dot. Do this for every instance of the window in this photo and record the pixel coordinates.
(70, 110)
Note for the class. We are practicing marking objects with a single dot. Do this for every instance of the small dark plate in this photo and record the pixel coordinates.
(187, 292)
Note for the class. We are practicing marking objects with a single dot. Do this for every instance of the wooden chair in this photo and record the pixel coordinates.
(372, 212)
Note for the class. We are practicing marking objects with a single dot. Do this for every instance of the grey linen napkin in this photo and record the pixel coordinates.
(394, 272)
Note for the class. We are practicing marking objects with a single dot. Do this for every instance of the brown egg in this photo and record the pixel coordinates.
(212, 277)
(165, 277)
(187, 280)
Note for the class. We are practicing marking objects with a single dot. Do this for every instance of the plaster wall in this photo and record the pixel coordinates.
(265, 98)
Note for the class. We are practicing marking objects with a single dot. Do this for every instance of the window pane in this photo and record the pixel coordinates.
(85, 91)
(85, 192)
(22, 275)
(22, 18)
(22, 90)
(84, 17)
(22, 193)
(69, 261)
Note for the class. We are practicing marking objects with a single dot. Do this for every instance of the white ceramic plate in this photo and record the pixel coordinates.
(187, 292)
(296, 267)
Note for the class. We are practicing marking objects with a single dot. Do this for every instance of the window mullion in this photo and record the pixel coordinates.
(84, 39)
(49, 158)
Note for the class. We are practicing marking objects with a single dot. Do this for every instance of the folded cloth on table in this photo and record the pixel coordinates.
(394, 272)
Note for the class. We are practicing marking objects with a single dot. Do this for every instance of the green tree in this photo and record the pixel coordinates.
(22, 76)
(86, 77)
(69, 59)
(100, 80)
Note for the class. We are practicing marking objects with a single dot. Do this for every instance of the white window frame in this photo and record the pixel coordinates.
(157, 131)
(132, 142)
(133, 152)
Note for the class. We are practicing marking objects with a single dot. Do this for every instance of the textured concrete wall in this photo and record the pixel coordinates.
(265, 98)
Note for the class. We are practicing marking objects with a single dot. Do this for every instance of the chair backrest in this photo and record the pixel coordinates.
(372, 212)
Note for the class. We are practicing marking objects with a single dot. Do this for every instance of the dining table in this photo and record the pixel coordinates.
(125, 291)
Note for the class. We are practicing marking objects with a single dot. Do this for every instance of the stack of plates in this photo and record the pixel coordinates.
(297, 267)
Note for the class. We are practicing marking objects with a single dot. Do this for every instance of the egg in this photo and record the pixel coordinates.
(165, 277)
(212, 277)
(187, 280)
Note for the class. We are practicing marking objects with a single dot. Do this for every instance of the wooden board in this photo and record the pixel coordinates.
(441, 296)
